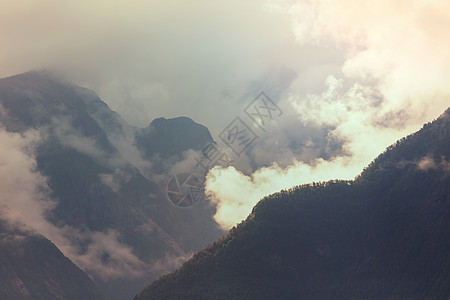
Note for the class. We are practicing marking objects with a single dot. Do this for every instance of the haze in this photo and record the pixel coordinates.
(368, 72)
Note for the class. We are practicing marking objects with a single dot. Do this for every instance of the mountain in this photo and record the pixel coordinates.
(384, 235)
(118, 220)
(33, 268)
(171, 137)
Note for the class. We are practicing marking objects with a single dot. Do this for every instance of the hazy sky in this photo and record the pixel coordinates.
(146, 59)
(372, 71)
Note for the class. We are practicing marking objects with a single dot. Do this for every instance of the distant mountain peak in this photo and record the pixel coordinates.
(38, 77)
(177, 120)
(169, 137)
(384, 235)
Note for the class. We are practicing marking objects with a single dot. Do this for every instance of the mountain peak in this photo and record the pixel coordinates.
(182, 120)
(36, 77)
(382, 236)
(169, 137)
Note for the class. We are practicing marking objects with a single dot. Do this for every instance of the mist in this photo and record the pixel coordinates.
(351, 77)
(393, 80)
(149, 59)
(26, 201)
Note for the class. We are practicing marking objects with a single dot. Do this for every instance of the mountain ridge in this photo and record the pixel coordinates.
(25, 256)
(382, 236)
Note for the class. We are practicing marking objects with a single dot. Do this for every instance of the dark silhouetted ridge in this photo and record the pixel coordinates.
(384, 235)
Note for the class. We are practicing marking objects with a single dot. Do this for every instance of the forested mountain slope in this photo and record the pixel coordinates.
(384, 235)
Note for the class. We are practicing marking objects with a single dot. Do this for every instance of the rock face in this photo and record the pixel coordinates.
(171, 137)
(89, 157)
(384, 235)
(31, 267)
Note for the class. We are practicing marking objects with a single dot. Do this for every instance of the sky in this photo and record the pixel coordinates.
(149, 59)
(360, 73)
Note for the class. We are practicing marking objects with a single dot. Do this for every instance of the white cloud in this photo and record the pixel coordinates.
(25, 200)
(396, 76)
(149, 59)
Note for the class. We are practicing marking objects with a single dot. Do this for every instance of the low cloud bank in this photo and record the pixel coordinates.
(395, 77)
